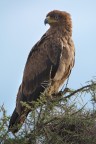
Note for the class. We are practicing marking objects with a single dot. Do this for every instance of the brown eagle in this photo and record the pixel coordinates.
(49, 64)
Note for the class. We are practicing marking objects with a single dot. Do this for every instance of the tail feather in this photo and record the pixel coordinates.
(16, 121)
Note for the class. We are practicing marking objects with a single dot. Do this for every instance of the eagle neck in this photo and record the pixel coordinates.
(61, 30)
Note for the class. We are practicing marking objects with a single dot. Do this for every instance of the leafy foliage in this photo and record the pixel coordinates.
(60, 119)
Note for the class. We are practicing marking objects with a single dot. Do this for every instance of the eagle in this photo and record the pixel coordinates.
(48, 65)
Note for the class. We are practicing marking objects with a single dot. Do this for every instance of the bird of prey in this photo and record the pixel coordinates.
(49, 64)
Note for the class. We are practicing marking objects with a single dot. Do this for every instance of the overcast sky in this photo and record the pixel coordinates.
(22, 25)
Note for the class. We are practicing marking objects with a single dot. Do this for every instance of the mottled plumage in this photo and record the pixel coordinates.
(48, 65)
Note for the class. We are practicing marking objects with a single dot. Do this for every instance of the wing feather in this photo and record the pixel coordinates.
(43, 58)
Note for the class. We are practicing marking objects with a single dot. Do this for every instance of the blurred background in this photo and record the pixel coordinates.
(22, 25)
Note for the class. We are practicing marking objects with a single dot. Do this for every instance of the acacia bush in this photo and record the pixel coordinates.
(63, 119)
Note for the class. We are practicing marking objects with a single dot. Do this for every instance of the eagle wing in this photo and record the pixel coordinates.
(41, 65)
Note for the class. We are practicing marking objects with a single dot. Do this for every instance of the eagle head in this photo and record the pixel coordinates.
(58, 18)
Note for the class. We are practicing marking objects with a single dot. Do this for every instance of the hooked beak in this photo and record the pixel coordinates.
(49, 20)
(46, 21)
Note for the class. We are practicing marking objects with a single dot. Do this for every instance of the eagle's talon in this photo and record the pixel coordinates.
(60, 93)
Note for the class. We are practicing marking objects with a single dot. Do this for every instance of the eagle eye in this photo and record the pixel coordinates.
(56, 17)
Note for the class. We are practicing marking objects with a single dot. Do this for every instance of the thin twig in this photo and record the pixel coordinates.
(80, 89)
